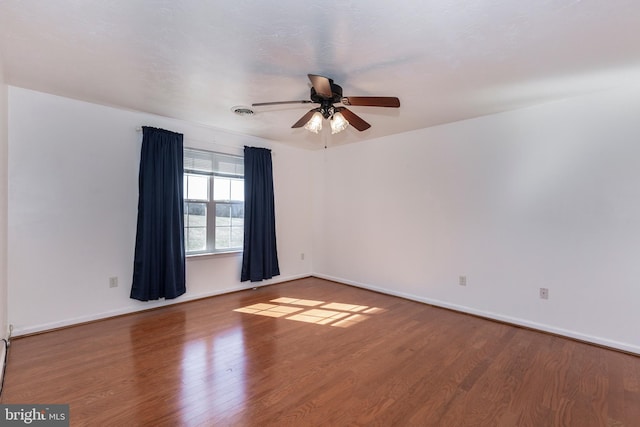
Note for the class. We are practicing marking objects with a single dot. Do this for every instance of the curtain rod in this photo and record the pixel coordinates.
(239, 149)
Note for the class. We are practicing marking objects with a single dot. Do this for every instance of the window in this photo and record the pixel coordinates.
(213, 202)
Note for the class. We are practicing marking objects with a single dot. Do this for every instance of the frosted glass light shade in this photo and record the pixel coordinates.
(315, 123)
(338, 123)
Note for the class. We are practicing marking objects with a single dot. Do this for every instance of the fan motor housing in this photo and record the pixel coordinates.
(336, 90)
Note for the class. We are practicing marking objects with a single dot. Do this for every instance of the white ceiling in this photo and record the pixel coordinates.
(446, 60)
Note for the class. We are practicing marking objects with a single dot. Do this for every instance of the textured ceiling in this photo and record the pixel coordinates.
(446, 60)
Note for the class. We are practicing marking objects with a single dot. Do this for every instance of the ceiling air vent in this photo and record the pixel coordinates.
(241, 110)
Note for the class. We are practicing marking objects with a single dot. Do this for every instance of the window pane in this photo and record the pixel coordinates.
(237, 237)
(196, 214)
(221, 188)
(195, 222)
(229, 225)
(237, 215)
(196, 239)
(223, 237)
(237, 190)
(223, 214)
(197, 187)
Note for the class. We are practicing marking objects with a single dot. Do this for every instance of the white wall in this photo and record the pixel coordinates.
(3, 204)
(73, 176)
(541, 197)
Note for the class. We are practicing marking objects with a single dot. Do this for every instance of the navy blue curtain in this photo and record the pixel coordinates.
(158, 267)
(260, 256)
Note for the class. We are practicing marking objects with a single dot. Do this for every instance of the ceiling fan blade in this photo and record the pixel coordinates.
(304, 119)
(353, 119)
(372, 101)
(322, 85)
(260, 104)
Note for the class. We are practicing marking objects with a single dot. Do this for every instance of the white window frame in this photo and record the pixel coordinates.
(211, 164)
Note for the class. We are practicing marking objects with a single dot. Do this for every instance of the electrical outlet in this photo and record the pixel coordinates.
(462, 281)
(302, 256)
(544, 293)
(113, 282)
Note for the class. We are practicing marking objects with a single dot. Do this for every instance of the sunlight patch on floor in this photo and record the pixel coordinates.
(270, 310)
(344, 307)
(333, 313)
(306, 302)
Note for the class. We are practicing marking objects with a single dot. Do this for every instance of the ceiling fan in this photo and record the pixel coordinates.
(326, 93)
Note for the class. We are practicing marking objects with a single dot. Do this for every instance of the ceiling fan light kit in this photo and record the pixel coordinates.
(326, 93)
(315, 123)
(338, 123)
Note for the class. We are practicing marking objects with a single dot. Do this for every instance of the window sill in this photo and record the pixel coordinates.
(214, 254)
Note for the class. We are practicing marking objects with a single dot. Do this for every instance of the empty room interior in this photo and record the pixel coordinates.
(451, 211)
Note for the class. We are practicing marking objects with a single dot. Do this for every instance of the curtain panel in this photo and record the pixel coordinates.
(159, 261)
(260, 256)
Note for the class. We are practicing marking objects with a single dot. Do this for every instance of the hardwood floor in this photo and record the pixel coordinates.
(392, 362)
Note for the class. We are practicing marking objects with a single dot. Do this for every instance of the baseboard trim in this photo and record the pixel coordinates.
(600, 341)
(149, 305)
(591, 339)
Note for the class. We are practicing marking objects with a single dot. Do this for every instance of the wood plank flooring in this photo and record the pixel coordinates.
(368, 360)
